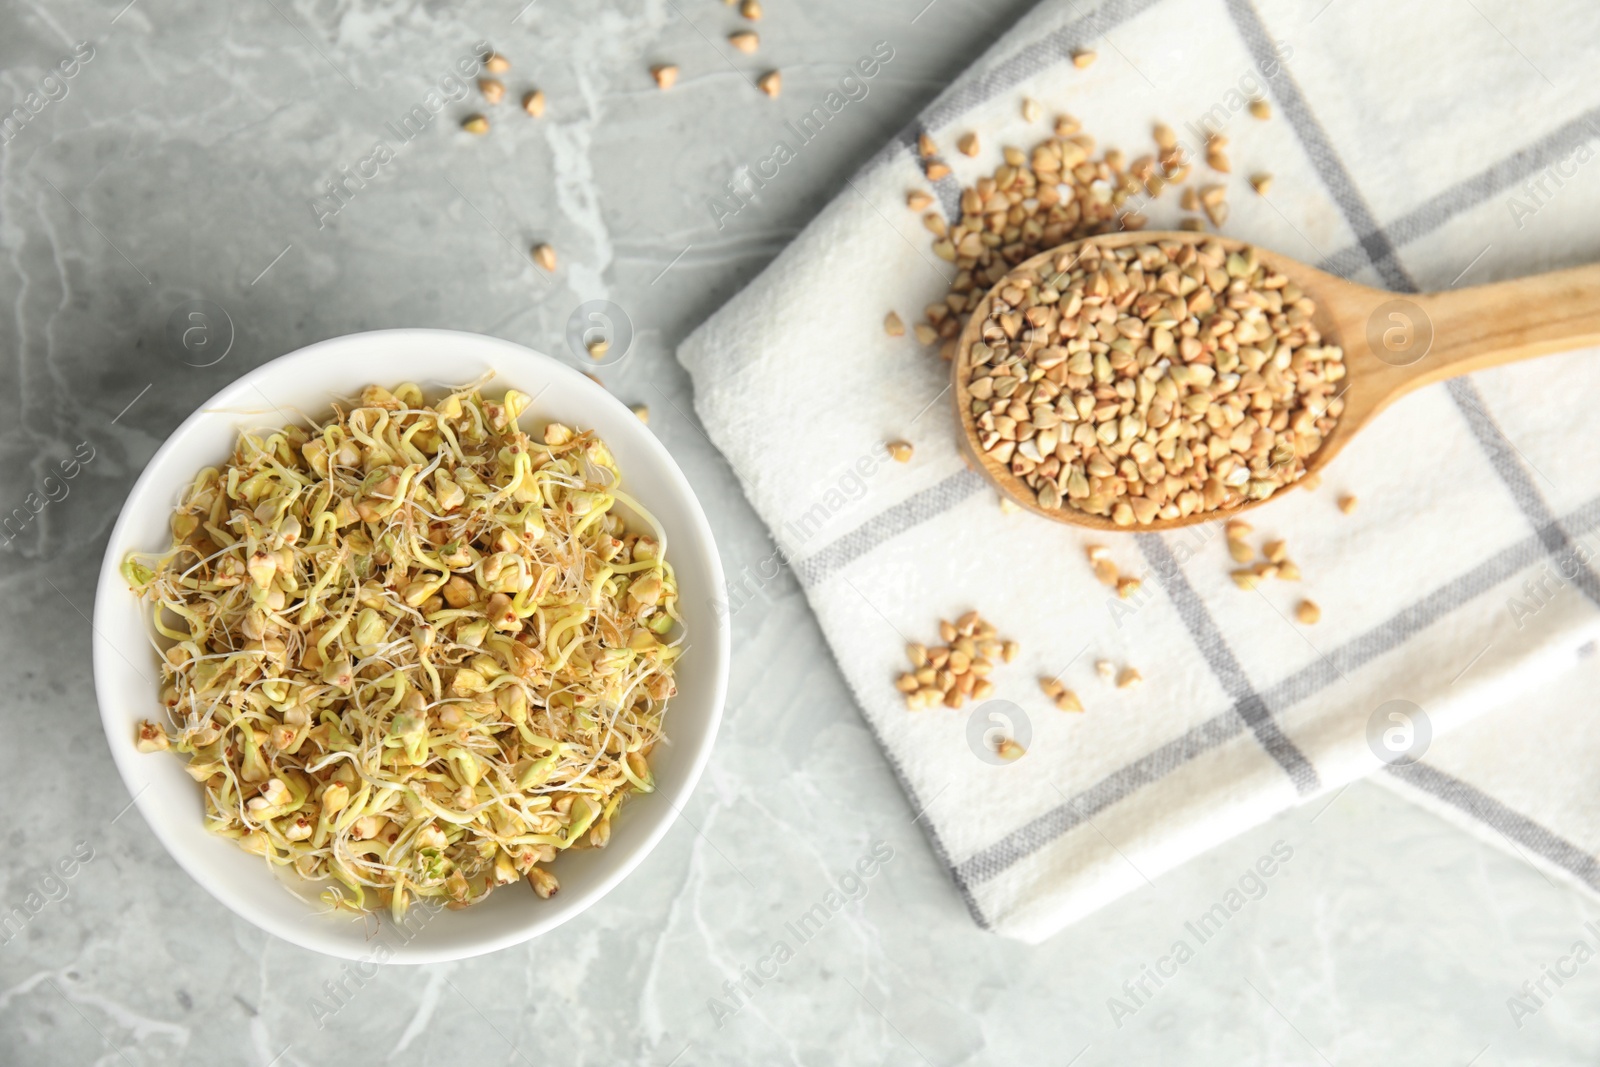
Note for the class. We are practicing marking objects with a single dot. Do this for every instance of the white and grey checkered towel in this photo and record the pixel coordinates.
(1456, 154)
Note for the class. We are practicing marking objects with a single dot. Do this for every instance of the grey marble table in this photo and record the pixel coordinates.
(188, 158)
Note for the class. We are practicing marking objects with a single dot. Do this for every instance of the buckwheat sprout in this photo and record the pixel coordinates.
(412, 652)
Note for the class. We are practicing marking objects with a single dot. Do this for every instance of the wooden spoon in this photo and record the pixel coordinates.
(1393, 343)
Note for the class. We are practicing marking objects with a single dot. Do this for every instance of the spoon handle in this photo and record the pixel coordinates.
(1488, 325)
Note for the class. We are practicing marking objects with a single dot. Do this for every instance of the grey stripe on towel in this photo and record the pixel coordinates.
(1383, 638)
(1520, 830)
(886, 525)
(1432, 214)
(1319, 148)
(1207, 635)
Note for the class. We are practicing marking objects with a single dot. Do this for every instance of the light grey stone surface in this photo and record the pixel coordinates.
(181, 164)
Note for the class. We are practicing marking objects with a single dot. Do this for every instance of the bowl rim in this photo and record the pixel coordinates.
(310, 936)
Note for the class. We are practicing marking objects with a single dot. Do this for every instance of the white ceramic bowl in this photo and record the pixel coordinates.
(126, 666)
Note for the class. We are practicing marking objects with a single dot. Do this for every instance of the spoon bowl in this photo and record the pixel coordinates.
(1393, 343)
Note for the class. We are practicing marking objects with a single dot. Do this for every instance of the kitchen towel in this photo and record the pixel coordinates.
(1462, 586)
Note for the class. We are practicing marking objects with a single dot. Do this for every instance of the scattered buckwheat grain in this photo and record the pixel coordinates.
(533, 103)
(1347, 503)
(900, 451)
(952, 672)
(545, 256)
(1082, 59)
(1260, 109)
(893, 326)
(1217, 155)
(770, 83)
(475, 124)
(1308, 613)
(493, 90)
(665, 74)
(1062, 697)
(746, 41)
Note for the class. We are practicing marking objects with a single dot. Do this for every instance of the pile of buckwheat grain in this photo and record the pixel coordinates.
(958, 669)
(1153, 381)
